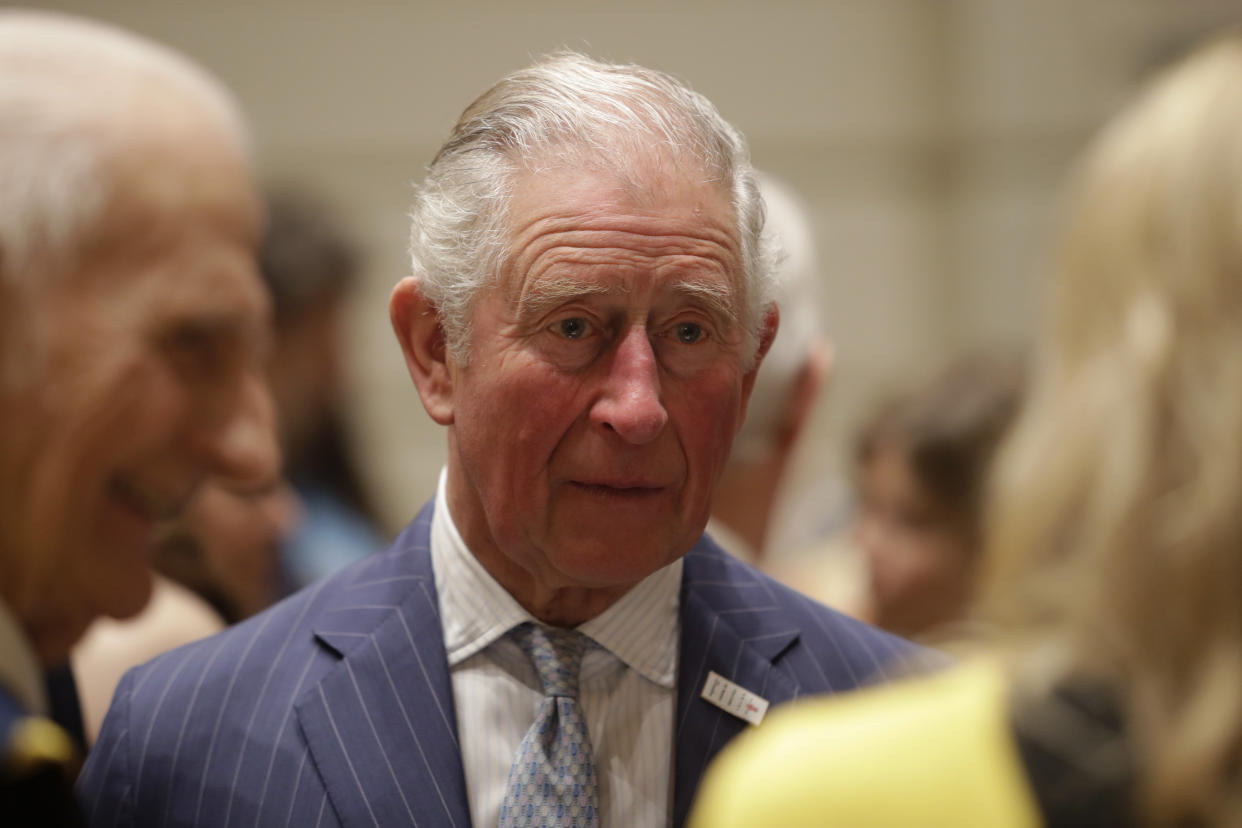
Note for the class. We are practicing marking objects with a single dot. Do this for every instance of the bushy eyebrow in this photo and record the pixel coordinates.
(716, 298)
(549, 294)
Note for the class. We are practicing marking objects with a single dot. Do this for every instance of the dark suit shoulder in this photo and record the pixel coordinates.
(220, 713)
(253, 656)
(763, 606)
(239, 660)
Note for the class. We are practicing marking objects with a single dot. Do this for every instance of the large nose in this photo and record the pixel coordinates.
(240, 445)
(630, 404)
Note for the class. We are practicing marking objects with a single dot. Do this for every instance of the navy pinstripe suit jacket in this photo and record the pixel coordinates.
(335, 706)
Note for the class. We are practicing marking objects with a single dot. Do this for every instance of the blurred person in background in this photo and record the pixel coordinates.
(790, 380)
(234, 551)
(310, 264)
(1114, 549)
(131, 322)
(922, 464)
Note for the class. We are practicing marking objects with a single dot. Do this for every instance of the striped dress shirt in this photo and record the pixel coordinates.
(627, 685)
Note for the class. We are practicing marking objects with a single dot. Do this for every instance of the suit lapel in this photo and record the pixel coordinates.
(730, 626)
(381, 725)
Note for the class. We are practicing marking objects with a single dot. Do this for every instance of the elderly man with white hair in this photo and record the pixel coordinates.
(553, 640)
(131, 319)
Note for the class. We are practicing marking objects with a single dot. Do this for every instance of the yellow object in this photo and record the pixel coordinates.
(932, 751)
(35, 743)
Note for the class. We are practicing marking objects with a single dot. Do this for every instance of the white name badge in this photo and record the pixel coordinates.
(734, 699)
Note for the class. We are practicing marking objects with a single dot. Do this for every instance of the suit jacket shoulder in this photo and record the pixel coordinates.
(770, 640)
(335, 707)
(291, 717)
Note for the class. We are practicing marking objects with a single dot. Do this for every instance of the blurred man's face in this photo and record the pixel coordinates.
(605, 381)
(146, 378)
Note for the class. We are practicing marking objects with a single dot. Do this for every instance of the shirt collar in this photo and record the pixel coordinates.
(19, 669)
(475, 609)
(641, 628)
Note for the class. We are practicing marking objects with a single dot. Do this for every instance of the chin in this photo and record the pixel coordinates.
(122, 601)
(611, 566)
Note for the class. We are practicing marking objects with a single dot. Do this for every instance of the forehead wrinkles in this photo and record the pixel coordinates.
(639, 235)
(547, 244)
(542, 295)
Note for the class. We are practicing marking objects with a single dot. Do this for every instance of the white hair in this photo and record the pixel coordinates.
(72, 91)
(796, 278)
(593, 113)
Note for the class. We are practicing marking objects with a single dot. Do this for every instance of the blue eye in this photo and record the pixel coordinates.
(573, 328)
(688, 333)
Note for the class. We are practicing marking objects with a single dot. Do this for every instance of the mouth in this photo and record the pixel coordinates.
(145, 505)
(621, 491)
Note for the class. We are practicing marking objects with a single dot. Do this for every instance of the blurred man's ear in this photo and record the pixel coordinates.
(417, 325)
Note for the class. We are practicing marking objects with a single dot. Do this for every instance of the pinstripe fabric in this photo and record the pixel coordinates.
(627, 684)
(335, 707)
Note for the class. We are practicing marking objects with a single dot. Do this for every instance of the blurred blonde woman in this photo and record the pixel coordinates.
(1114, 562)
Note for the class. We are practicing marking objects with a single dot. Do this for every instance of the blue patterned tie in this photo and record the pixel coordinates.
(552, 782)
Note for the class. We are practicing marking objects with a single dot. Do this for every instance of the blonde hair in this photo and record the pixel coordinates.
(1116, 533)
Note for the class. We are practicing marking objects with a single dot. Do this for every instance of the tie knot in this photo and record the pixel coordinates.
(557, 655)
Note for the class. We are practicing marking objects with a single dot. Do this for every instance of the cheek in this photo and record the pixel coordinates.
(138, 411)
(166, 403)
(66, 495)
(706, 421)
(88, 424)
(523, 418)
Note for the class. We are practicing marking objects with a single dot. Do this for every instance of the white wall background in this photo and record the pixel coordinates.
(928, 137)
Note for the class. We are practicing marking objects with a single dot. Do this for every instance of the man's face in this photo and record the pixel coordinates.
(605, 379)
(146, 377)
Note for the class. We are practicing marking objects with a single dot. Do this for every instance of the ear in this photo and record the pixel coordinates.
(771, 322)
(417, 325)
